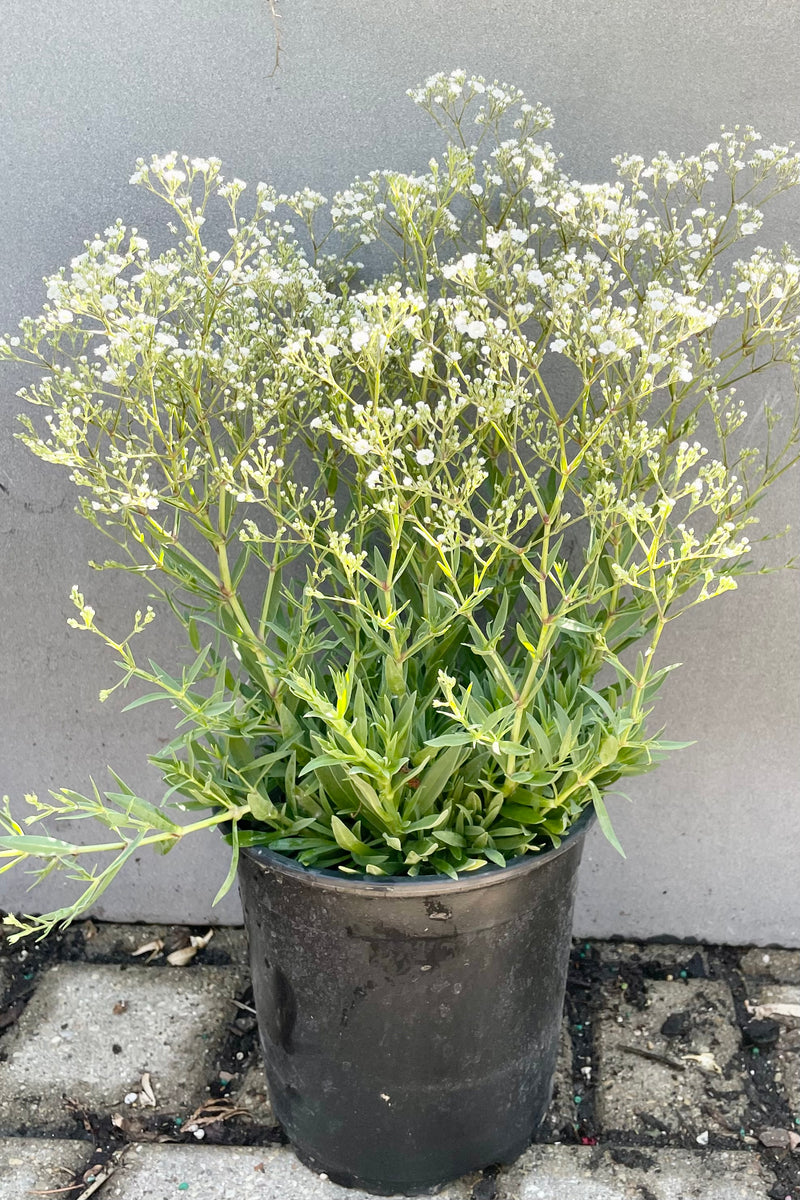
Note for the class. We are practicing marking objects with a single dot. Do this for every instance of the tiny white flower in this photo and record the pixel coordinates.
(476, 189)
(65, 316)
(608, 347)
(108, 303)
(557, 345)
(373, 479)
(425, 457)
(359, 339)
(476, 329)
(361, 446)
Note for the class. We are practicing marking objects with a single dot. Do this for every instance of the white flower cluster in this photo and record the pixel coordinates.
(427, 405)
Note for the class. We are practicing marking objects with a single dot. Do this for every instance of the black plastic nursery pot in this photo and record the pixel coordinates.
(410, 1027)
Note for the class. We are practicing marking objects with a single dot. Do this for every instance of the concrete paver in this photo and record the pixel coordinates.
(28, 1164)
(110, 940)
(786, 1055)
(688, 1101)
(584, 1173)
(779, 966)
(233, 942)
(562, 1106)
(156, 1172)
(90, 1032)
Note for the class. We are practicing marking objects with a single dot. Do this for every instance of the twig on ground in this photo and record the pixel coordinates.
(654, 1057)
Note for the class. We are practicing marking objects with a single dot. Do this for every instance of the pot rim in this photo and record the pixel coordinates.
(487, 876)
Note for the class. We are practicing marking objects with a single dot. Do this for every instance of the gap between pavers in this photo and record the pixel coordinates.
(5, 980)
(583, 1173)
(29, 1164)
(156, 1172)
(90, 1032)
(685, 1102)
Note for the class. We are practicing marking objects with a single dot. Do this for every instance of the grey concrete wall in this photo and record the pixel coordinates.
(712, 838)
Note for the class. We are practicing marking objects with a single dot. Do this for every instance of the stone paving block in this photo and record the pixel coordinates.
(155, 1172)
(110, 940)
(90, 1032)
(786, 1055)
(779, 966)
(578, 1173)
(28, 1164)
(687, 1101)
(562, 1107)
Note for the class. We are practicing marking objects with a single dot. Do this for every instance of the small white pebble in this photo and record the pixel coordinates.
(702, 1138)
(131, 1098)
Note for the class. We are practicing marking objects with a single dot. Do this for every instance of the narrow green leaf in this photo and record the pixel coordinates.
(435, 777)
(36, 845)
(347, 839)
(138, 809)
(450, 739)
(573, 626)
(603, 818)
(148, 699)
(609, 749)
(229, 878)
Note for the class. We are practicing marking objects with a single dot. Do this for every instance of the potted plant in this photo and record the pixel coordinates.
(423, 523)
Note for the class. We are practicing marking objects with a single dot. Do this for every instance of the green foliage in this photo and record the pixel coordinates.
(423, 534)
